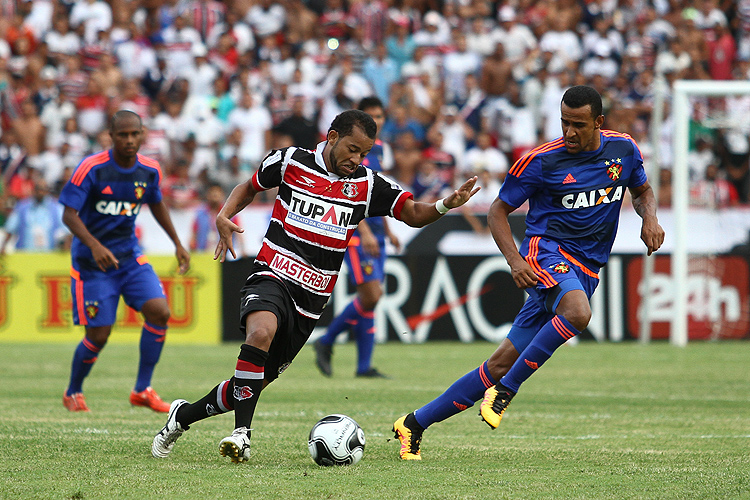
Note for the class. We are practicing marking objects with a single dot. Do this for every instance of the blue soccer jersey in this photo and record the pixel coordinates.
(575, 199)
(374, 161)
(108, 198)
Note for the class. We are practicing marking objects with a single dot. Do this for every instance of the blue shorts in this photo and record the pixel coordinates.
(558, 273)
(96, 293)
(363, 267)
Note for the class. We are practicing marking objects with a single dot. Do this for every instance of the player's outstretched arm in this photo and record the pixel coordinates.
(419, 214)
(497, 220)
(240, 197)
(644, 203)
(161, 214)
(101, 254)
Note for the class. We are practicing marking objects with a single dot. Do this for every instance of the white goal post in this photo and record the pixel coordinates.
(683, 90)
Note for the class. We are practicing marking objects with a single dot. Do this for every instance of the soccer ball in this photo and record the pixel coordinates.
(336, 440)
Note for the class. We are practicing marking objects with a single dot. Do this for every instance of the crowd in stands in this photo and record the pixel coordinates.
(469, 85)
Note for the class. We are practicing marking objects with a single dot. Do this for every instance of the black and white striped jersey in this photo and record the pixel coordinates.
(313, 218)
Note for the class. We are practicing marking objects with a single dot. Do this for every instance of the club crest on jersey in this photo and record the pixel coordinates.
(140, 189)
(614, 168)
(561, 268)
(368, 269)
(349, 190)
(92, 308)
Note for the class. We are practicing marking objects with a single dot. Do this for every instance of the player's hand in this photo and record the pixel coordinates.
(104, 258)
(369, 244)
(226, 229)
(652, 234)
(183, 259)
(523, 275)
(462, 194)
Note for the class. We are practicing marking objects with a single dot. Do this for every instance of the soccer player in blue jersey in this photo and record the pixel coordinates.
(101, 200)
(575, 186)
(365, 258)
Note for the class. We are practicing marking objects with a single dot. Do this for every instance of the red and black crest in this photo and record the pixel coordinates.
(92, 309)
(614, 171)
(561, 268)
(140, 190)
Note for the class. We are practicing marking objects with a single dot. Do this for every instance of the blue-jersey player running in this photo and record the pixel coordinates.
(365, 259)
(575, 187)
(102, 199)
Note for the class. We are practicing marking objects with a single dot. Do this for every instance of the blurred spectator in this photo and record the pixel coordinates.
(496, 72)
(205, 15)
(722, 52)
(30, 131)
(135, 54)
(204, 235)
(381, 71)
(254, 121)
(36, 222)
(451, 133)
(302, 130)
(179, 40)
(457, 64)
(266, 18)
(400, 44)
(60, 40)
(94, 15)
(701, 157)
(713, 191)
(92, 109)
(399, 122)
(485, 157)
(429, 183)
(180, 191)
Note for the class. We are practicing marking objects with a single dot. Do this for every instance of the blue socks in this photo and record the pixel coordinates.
(362, 324)
(552, 335)
(462, 394)
(152, 342)
(364, 330)
(84, 358)
(344, 321)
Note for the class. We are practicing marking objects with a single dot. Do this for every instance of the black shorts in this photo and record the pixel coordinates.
(265, 293)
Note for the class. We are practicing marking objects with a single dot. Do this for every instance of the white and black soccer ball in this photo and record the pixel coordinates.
(336, 440)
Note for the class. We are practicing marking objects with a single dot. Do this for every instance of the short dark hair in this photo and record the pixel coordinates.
(581, 95)
(121, 115)
(370, 102)
(344, 123)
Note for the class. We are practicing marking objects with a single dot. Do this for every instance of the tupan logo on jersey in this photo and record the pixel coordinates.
(592, 198)
(140, 190)
(118, 208)
(318, 216)
(614, 168)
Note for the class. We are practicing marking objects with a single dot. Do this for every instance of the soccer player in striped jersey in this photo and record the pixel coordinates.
(323, 195)
(101, 201)
(575, 186)
(365, 258)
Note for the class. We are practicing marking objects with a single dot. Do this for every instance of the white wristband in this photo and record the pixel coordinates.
(440, 207)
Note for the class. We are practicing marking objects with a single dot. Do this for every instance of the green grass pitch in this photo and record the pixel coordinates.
(599, 421)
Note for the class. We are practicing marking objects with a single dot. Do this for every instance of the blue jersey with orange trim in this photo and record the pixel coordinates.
(108, 198)
(575, 199)
(374, 161)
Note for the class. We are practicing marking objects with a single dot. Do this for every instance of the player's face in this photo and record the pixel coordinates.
(378, 116)
(580, 129)
(347, 153)
(127, 137)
